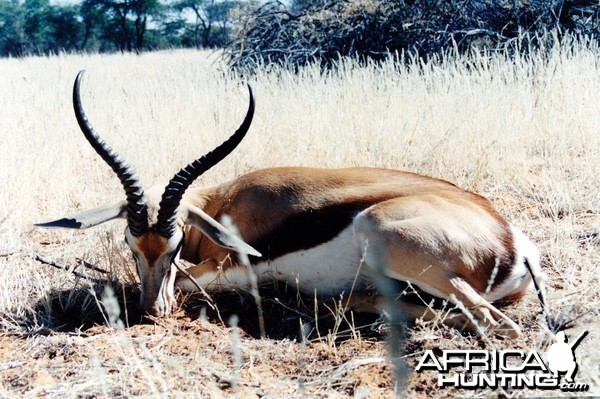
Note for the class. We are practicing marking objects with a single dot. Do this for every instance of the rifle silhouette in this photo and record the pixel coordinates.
(578, 340)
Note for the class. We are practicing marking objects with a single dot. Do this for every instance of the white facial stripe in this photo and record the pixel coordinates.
(154, 257)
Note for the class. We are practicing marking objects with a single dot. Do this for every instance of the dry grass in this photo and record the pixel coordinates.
(522, 132)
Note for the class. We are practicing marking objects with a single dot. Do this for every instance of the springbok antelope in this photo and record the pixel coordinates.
(319, 229)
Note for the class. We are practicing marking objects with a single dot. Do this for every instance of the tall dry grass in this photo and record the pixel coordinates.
(521, 131)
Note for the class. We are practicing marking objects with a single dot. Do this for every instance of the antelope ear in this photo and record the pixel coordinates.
(90, 218)
(216, 231)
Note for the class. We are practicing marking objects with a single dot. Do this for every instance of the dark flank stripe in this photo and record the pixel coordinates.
(507, 259)
(308, 229)
(296, 212)
(313, 227)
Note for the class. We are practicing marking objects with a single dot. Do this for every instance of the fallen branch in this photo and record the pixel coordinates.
(71, 270)
(89, 266)
(209, 299)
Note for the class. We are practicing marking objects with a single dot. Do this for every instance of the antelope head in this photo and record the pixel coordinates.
(154, 229)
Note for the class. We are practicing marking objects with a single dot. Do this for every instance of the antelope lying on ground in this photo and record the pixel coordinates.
(327, 230)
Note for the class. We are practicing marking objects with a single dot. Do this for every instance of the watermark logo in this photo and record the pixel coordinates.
(515, 369)
(561, 357)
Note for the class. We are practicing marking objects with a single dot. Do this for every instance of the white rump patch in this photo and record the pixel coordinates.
(519, 280)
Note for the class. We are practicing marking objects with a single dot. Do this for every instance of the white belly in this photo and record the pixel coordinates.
(329, 269)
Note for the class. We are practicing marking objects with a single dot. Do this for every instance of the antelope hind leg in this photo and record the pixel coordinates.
(411, 239)
(360, 302)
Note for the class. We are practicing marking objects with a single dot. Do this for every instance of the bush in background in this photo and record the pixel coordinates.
(317, 31)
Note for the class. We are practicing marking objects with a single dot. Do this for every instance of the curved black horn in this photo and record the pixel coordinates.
(167, 213)
(137, 209)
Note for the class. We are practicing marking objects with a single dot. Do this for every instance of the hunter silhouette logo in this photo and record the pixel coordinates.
(561, 356)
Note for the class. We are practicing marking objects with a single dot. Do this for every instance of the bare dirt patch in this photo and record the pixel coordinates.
(193, 352)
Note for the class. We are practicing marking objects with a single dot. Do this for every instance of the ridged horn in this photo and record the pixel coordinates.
(137, 209)
(171, 198)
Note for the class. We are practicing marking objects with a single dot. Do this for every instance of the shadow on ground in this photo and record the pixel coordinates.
(283, 313)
